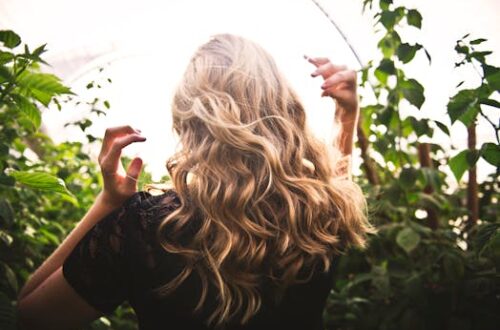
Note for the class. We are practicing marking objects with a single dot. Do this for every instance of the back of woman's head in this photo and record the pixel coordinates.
(262, 211)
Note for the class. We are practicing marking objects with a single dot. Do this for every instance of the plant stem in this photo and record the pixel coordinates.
(371, 173)
(495, 127)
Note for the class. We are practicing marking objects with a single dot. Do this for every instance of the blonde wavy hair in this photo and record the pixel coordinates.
(271, 201)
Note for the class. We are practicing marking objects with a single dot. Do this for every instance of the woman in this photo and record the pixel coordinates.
(249, 235)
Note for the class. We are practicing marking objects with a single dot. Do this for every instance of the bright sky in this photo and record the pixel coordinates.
(144, 46)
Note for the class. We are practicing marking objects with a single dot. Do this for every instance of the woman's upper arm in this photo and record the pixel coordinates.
(93, 279)
(54, 305)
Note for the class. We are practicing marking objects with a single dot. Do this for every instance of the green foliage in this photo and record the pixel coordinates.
(467, 104)
(428, 267)
(41, 181)
(44, 188)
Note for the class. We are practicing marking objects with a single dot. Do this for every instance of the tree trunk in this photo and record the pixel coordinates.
(368, 165)
(424, 156)
(472, 189)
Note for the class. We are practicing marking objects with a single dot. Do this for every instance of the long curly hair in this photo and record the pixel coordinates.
(271, 203)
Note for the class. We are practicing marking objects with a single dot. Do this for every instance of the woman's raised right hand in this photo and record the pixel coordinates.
(118, 183)
(340, 83)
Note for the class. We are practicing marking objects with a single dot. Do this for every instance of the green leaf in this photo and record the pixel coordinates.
(453, 267)
(40, 50)
(10, 276)
(385, 68)
(492, 76)
(462, 49)
(35, 55)
(5, 74)
(478, 41)
(384, 4)
(4, 149)
(5, 57)
(462, 162)
(6, 213)
(406, 52)
(421, 127)
(463, 106)
(389, 43)
(49, 236)
(42, 181)
(484, 234)
(429, 58)
(7, 180)
(106, 104)
(491, 153)
(386, 115)
(480, 56)
(429, 201)
(408, 177)
(430, 176)
(5, 238)
(367, 3)
(413, 91)
(490, 102)
(9, 38)
(388, 19)
(381, 76)
(28, 109)
(7, 313)
(408, 239)
(442, 127)
(43, 86)
(414, 18)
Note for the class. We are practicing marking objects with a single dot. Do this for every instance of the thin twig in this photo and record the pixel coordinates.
(371, 172)
(339, 30)
(495, 127)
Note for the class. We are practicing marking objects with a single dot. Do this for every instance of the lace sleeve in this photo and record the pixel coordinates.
(98, 266)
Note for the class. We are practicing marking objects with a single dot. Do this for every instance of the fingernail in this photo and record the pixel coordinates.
(323, 86)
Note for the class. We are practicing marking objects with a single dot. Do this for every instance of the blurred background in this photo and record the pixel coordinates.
(429, 87)
(143, 47)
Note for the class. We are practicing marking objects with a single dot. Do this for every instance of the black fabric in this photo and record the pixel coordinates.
(120, 260)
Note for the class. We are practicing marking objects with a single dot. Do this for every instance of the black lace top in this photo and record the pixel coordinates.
(119, 260)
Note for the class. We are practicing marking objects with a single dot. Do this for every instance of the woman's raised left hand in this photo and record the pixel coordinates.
(118, 183)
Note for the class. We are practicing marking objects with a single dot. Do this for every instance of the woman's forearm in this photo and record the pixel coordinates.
(344, 141)
(347, 120)
(96, 212)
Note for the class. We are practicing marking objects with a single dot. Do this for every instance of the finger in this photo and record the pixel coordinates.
(134, 170)
(317, 61)
(113, 132)
(328, 69)
(121, 142)
(111, 160)
(347, 76)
